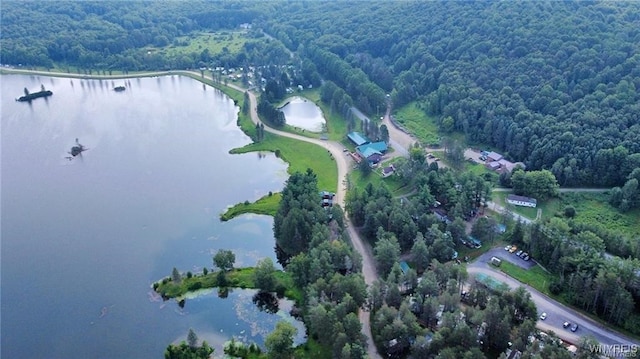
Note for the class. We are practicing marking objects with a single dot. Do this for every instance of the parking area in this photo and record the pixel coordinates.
(504, 255)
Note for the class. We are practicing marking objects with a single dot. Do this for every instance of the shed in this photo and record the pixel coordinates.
(388, 171)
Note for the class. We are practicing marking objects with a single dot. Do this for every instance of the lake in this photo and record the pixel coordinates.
(302, 113)
(84, 239)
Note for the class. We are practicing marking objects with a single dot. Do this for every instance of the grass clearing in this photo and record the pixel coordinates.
(414, 119)
(311, 349)
(300, 156)
(215, 42)
(266, 205)
(393, 182)
(536, 277)
(593, 208)
(336, 124)
(235, 278)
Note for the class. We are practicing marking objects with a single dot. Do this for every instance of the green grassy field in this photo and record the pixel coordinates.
(593, 208)
(300, 156)
(266, 205)
(416, 121)
(535, 277)
(215, 42)
(336, 124)
(395, 185)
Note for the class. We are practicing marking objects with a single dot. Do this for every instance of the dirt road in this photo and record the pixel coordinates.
(336, 149)
(343, 163)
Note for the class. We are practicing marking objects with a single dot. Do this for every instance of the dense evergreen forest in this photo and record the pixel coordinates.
(551, 84)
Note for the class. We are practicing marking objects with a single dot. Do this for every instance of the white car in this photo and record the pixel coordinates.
(507, 248)
(543, 316)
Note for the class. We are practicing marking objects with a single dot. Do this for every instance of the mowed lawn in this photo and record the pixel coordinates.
(535, 277)
(300, 156)
(336, 124)
(393, 182)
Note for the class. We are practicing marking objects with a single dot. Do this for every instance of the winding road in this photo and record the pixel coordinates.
(368, 266)
(401, 142)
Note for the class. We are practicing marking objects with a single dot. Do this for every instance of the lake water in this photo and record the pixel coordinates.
(302, 113)
(84, 239)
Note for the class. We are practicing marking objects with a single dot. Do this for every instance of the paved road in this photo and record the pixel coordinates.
(509, 257)
(556, 313)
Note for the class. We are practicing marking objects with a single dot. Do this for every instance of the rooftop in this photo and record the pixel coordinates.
(513, 197)
(404, 266)
(357, 138)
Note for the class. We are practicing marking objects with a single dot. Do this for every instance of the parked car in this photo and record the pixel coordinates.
(543, 316)
(522, 255)
(508, 248)
(518, 253)
(566, 324)
(526, 258)
(513, 249)
(496, 261)
(574, 327)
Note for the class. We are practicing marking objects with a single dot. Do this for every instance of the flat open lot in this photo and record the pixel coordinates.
(506, 256)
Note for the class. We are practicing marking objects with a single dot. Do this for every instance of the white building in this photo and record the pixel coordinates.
(521, 201)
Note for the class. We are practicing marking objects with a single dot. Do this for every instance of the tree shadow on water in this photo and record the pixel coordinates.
(266, 302)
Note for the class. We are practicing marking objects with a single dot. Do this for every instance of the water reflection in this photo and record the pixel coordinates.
(248, 315)
(302, 113)
(145, 199)
(266, 302)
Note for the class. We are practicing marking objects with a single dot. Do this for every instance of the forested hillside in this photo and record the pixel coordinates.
(552, 84)
(124, 35)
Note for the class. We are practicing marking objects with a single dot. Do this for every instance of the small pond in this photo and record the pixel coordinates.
(302, 113)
